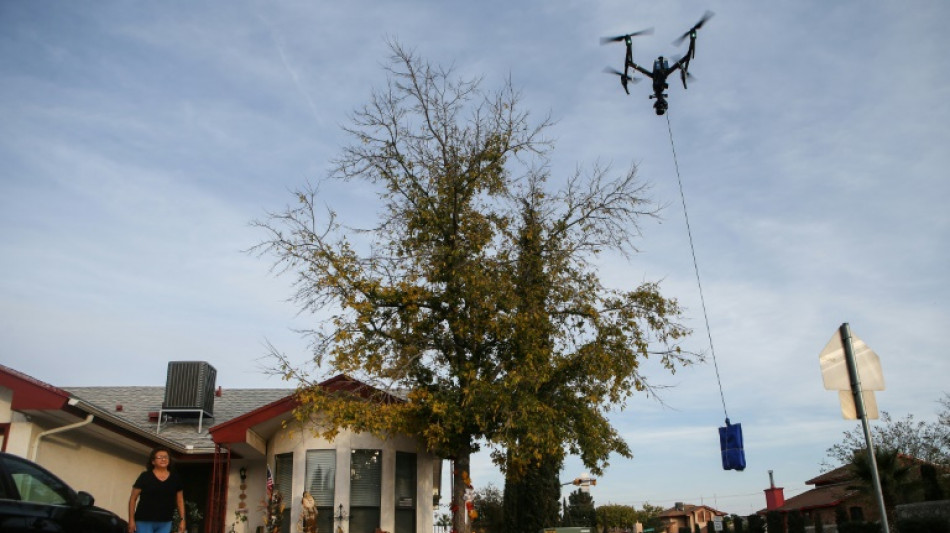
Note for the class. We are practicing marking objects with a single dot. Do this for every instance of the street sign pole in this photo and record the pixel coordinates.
(845, 332)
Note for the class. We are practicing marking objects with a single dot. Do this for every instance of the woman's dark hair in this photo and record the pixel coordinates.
(151, 458)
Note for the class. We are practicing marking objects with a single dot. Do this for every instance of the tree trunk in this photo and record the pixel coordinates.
(461, 482)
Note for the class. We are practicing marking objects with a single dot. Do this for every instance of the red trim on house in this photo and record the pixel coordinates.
(344, 383)
(30, 393)
(235, 430)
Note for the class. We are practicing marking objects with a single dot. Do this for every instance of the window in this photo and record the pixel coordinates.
(321, 483)
(405, 486)
(857, 514)
(366, 469)
(35, 485)
(283, 481)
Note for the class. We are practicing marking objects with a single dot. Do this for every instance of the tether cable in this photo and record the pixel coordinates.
(699, 283)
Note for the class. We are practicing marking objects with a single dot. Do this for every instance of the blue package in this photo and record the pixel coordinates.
(730, 442)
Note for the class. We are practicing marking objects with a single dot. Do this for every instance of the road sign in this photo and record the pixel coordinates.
(850, 411)
(834, 374)
(717, 523)
(834, 368)
(846, 354)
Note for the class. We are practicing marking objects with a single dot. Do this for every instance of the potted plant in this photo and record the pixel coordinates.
(193, 515)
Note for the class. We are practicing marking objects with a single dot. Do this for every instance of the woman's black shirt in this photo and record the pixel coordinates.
(157, 500)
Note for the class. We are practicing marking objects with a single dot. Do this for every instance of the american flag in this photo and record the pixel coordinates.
(270, 483)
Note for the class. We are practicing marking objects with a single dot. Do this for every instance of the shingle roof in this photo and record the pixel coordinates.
(687, 510)
(137, 402)
(831, 488)
(842, 473)
(822, 496)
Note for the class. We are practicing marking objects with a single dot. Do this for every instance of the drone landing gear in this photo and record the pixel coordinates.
(660, 105)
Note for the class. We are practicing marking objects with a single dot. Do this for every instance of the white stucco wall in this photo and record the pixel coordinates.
(298, 442)
(84, 463)
(6, 398)
(18, 438)
(254, 496)
(105, 471)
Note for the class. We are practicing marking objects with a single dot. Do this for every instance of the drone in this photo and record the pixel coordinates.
(661, 67)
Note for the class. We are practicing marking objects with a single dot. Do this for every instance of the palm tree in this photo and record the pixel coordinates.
(898, 484)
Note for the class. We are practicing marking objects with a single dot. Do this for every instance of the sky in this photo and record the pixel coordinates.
(138, 141)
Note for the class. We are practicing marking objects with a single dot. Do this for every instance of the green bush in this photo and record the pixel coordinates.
(923, 524)
(775, 522)
(796, 522)
(737, 524)
(859, 527)
(756, 524)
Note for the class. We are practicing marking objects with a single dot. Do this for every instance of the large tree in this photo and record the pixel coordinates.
(579, 510)
(490, 506)
(532, 500)
(896, 474)
(927, 441)
(649, 516)
(474, 293)
(613, 516)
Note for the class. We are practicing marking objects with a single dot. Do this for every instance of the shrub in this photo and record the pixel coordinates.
(923, 524)
(860, 527)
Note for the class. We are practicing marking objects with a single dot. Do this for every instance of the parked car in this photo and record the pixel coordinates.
(34, 500)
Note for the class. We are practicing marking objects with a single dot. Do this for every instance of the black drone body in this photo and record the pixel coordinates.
(661, 67)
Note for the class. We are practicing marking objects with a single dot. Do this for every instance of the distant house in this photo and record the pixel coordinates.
(222, 441)
(684, 515)
(831, 490)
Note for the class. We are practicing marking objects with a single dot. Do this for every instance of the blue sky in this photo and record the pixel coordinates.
(138, 141)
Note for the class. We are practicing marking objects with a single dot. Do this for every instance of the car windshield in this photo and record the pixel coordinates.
(35, 485)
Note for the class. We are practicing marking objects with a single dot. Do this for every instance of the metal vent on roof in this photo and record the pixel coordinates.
(190, 387)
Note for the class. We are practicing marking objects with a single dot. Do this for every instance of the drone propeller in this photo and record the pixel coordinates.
(706, 16)
(611, 70)
(624, 78)
(684, 75)
(684, 70)
(617, 39)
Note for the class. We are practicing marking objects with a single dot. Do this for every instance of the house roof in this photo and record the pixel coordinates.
(133, 411)
(831, 488)
(139, 403)
(828, 495)
(235, 429)
(30, 393)
(842, 473)
(688, 509)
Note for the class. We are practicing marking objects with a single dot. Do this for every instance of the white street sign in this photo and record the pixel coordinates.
(834, 369)
(850, 412)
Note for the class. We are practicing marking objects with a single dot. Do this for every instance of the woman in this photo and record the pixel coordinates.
(158, 492)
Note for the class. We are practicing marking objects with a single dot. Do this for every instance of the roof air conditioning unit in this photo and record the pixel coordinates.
(190, 387)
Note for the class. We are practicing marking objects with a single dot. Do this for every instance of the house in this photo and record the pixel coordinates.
(687, 516)
(223, 442)
(832, 489)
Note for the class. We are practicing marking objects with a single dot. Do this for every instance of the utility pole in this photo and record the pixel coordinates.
(845, 332)
(842, 365)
